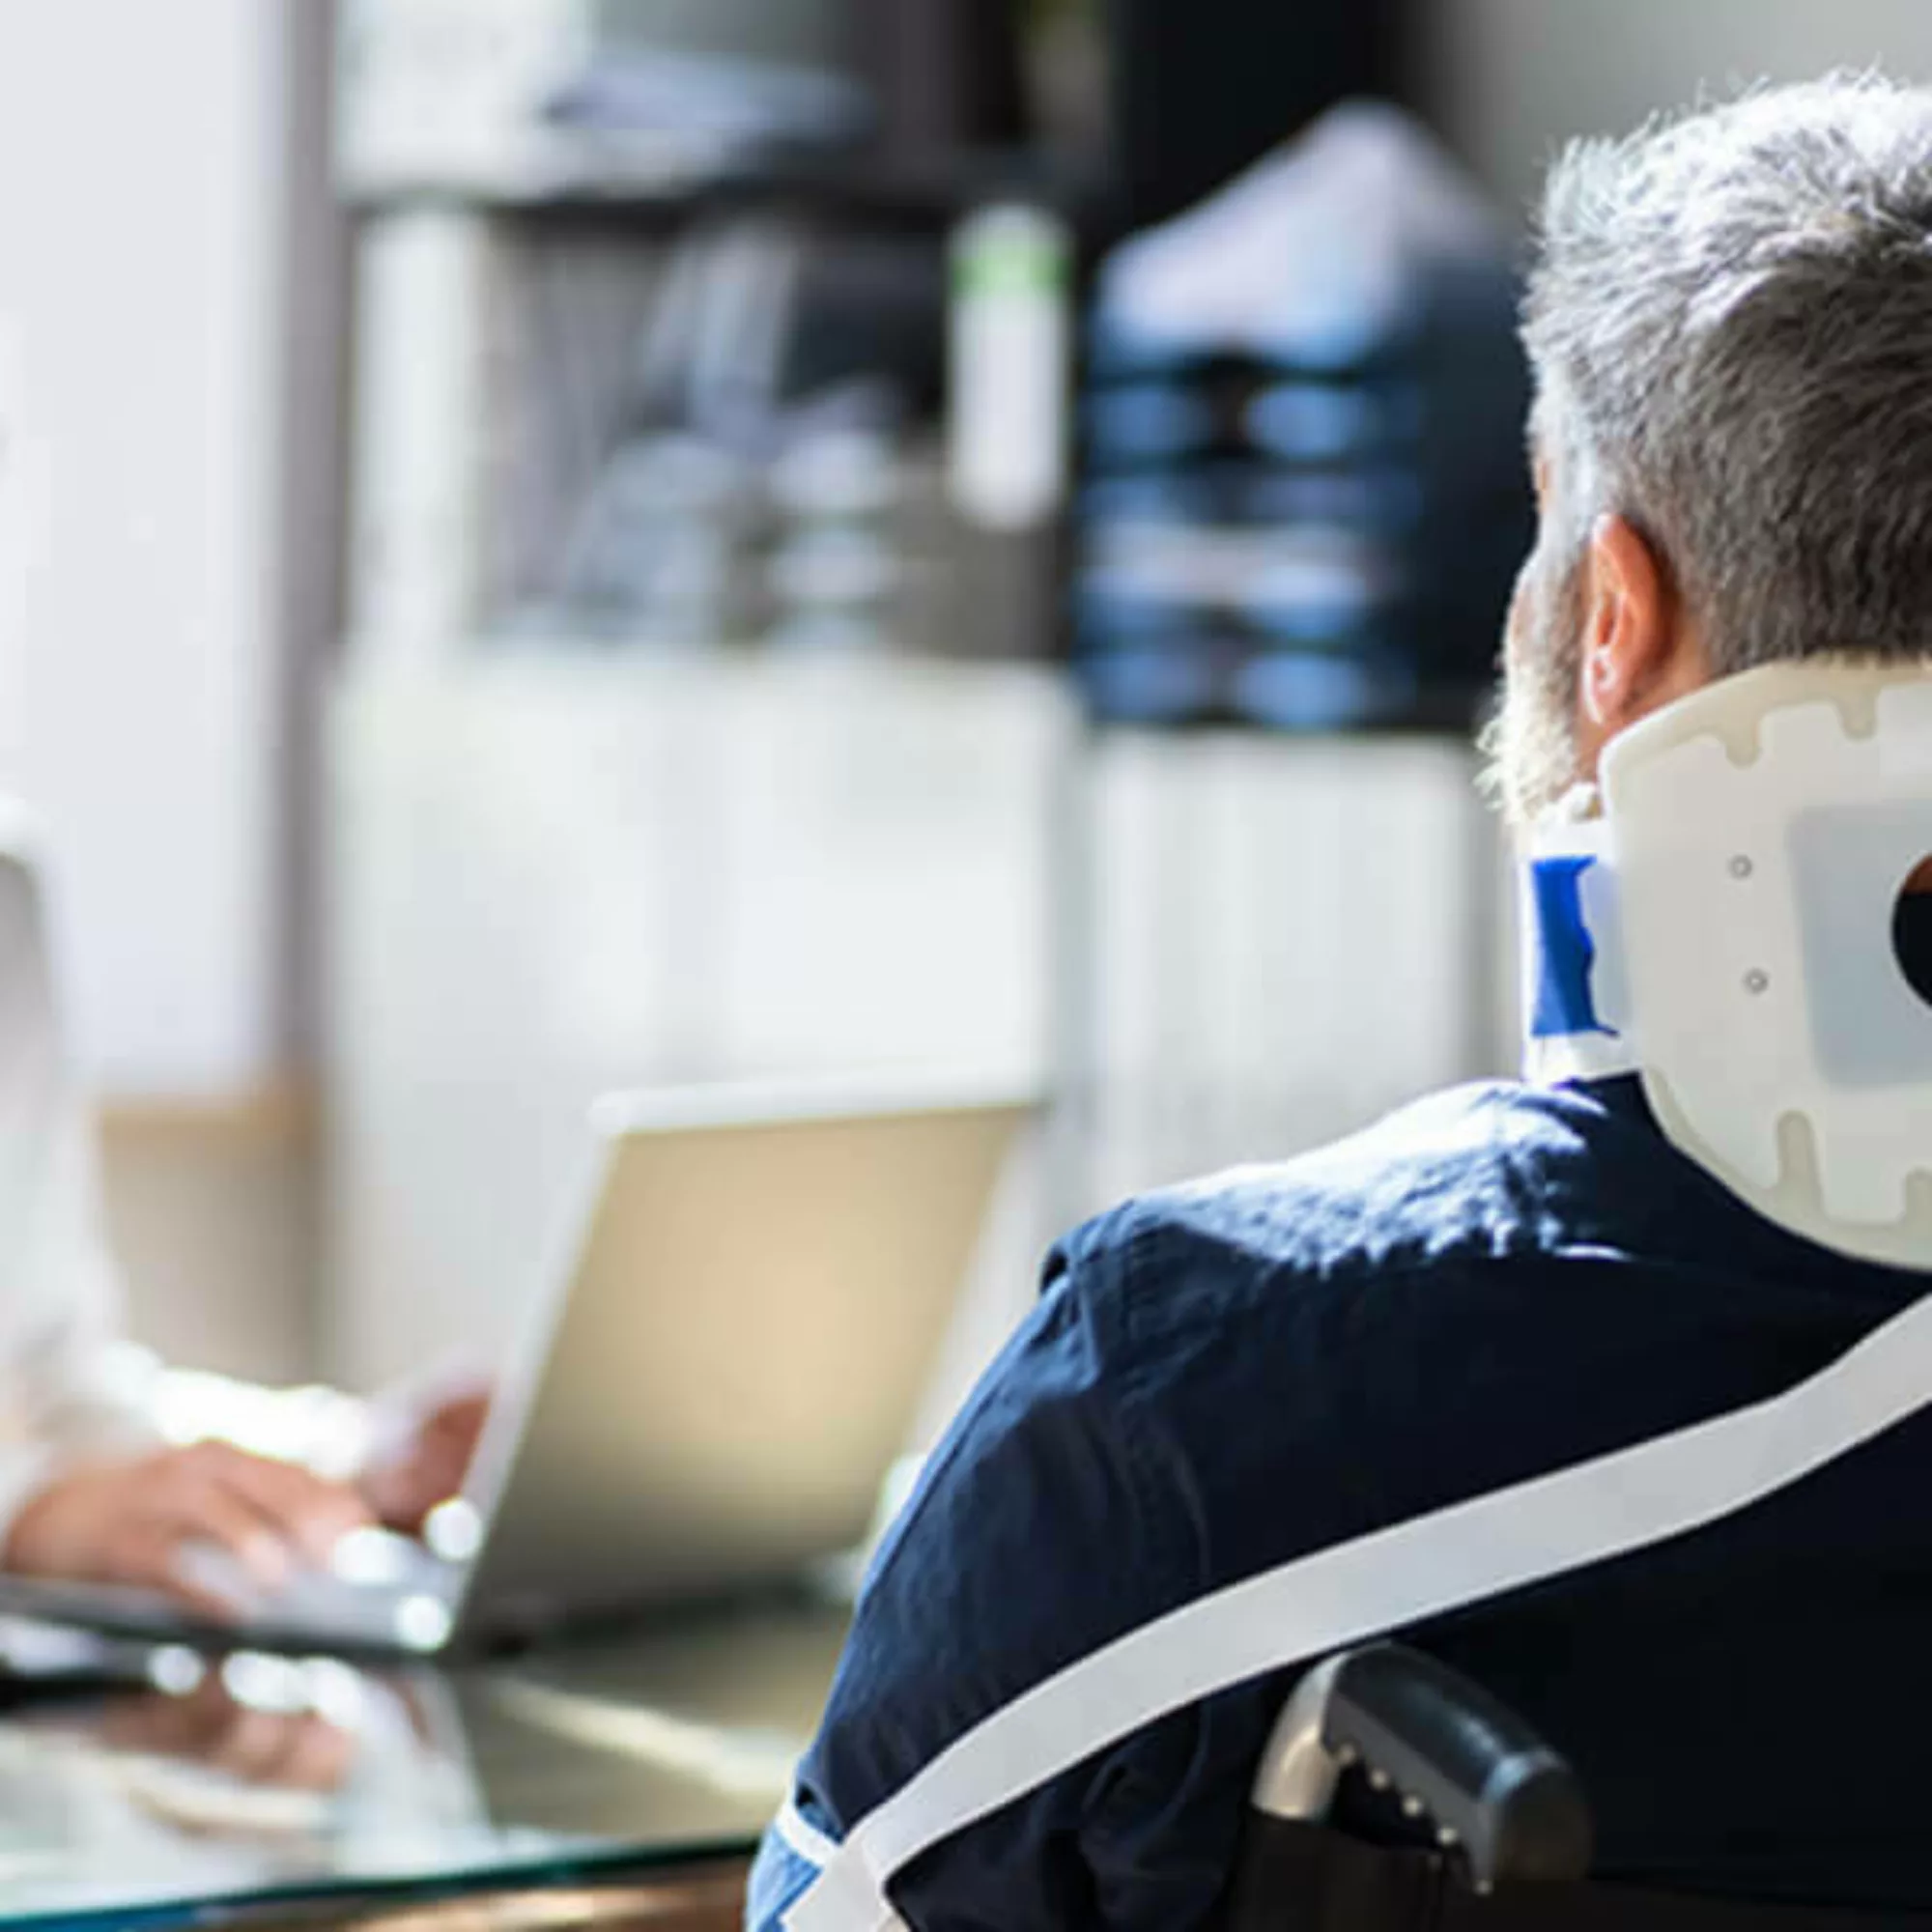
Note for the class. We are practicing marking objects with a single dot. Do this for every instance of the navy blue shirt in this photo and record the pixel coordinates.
(1219, 1378)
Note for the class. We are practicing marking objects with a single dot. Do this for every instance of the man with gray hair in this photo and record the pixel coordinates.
(1731, 328)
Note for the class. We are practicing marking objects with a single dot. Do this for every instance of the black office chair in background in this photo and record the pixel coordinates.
(1502, 1824)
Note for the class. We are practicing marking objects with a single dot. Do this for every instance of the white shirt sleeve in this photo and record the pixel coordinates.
(70, 1385)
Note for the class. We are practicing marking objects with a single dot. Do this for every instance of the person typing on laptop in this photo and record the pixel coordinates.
(100, 1479)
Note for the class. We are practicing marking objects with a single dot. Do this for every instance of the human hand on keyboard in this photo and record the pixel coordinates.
(427, 1463)
(135, 1521)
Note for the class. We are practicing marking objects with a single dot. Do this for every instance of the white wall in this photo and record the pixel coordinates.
(143, 180)
(1510, 79)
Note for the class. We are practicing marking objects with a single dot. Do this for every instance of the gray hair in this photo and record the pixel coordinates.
(1731, 328)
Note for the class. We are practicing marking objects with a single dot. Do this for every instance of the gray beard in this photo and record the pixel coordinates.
(1529, 744)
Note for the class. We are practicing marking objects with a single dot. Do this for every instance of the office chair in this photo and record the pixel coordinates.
(1509, 1820)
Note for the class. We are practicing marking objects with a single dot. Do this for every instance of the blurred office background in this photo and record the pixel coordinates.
(557, 544)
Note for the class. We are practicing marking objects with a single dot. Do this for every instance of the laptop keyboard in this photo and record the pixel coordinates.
(378, 1588)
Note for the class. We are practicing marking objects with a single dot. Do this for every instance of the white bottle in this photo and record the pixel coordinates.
(1011, 366)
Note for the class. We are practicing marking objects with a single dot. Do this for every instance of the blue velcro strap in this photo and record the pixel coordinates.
(1563, 1003)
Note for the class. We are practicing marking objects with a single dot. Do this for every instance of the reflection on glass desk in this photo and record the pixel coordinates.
(261, 1779)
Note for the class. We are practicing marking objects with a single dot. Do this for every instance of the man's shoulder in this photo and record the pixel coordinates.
(1430, 1306)
(1474, 1175)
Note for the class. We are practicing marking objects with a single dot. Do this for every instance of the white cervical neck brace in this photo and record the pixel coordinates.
(1725, 928)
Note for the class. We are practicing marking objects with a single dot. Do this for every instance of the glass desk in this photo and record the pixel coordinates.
(272, 1785)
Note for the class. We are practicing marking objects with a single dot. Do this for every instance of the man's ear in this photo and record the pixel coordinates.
(1639, 650)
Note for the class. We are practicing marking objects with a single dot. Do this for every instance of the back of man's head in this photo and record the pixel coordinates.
(1731, 328)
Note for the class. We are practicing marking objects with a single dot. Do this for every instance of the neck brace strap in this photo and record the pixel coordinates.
(1576, 1025)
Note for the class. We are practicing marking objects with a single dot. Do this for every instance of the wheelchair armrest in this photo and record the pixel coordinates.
(1450, 1751)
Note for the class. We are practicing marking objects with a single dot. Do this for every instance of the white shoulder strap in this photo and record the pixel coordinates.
(1394, 1577)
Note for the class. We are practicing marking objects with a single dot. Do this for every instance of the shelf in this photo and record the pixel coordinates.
(562, 663)
(603, 185)
(456, 652)
(1448, 711)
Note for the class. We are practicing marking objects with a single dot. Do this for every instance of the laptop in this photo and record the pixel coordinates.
(716, 1379)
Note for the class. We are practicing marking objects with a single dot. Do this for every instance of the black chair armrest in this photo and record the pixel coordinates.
(1485, 1782)
(1468, 1763)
